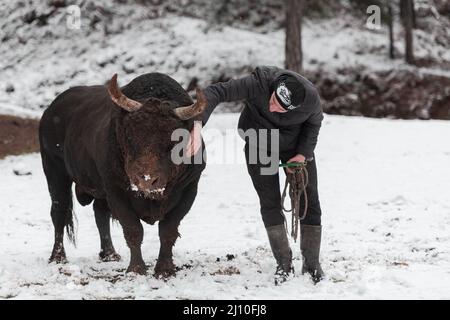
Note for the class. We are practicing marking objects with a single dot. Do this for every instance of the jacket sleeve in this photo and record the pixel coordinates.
(309, 133)
(232, 90)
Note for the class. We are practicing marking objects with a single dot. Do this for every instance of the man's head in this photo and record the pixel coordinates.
(288, 94)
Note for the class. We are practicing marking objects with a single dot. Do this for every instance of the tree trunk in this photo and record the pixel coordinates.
(391, 31)
(293, 46)
(407, 20)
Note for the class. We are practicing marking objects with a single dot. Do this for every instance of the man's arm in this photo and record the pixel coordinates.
(307, 139)
(232, 90)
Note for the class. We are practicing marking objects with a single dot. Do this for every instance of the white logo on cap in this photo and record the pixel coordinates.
(284, 94)
(291, 107)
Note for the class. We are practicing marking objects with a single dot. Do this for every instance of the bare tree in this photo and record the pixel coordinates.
(293, 47)
(407, 15)
(390, 20)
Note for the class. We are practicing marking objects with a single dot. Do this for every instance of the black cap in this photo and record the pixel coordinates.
(290, 92)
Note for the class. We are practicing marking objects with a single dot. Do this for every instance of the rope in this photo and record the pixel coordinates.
(297, 182)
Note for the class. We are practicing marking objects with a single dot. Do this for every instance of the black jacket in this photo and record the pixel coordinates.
(299, 128)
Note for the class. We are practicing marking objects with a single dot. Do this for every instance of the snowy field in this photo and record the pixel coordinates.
(386, 214)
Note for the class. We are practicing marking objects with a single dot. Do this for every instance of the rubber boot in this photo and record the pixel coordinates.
(281, 251)
(310, 247)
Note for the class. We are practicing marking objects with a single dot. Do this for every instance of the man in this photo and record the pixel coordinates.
(284, 100)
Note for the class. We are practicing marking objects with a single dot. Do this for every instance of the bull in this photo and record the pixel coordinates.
(114, 144)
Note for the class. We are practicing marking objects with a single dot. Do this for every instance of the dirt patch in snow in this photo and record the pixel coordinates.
(18, 135)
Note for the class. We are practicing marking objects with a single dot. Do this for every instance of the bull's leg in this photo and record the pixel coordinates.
(102, 219)
(168, 232)
(132, 230)
(61, 213)
(59, 186)
(134, 235)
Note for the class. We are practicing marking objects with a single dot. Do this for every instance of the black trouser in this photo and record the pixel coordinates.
(268, 189)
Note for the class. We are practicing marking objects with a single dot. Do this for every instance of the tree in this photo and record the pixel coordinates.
(293, 44)
(407, 17)
(390, 19)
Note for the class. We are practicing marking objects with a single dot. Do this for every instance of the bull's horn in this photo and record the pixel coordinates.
(119, 98)
(185, 113)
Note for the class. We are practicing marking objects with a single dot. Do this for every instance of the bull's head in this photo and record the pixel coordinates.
(144, 135)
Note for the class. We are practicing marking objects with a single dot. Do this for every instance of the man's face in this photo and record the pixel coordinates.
(274, 105)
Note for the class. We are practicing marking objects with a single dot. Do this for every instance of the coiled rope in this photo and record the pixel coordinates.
(297, 182)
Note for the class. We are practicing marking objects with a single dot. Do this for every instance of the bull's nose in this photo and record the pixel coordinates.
(152, 181)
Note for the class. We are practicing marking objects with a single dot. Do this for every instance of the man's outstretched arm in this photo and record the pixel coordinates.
(232, 90)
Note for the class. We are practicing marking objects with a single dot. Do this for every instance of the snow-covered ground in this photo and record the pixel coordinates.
(386, 214)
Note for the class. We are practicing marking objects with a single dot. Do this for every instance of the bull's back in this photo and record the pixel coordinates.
(74, 129)
(75, 115)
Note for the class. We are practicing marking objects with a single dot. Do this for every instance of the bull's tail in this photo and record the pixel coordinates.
(70, 223)
(63, 213)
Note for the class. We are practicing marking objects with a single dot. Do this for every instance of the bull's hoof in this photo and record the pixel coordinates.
(57, 258)
(109, 256)
(58, 255)
(164, 270)
(138, 269)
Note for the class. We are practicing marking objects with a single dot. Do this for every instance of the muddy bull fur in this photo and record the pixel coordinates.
(114, 145)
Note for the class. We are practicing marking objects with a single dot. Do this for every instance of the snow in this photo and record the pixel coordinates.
(18, 111)
(386, 215)
(175, 45)
(42, 61)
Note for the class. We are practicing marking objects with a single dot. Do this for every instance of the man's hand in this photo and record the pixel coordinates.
(297, 158)
(195, 139)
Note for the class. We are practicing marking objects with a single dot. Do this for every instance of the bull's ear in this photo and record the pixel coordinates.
(186, 113)
(119, 98)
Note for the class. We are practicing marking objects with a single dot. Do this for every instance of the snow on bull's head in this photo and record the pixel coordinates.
(144, 136)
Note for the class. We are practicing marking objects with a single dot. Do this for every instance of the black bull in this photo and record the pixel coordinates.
(98, 139)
